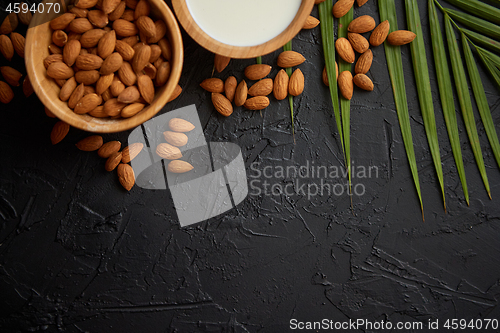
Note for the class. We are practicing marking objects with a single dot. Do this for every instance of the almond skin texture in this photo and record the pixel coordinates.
(345, 84)
(296, 84)
(257, 103)
(364, 63)
(59, 132)
(125, 50)
(18, 42)
(178, 166)
(180, 125)
(90, 143)
(11, 75)
(108, 6)
(9, 24)
(6, 93)
(106, 44)
(62, 22)
(129, 95)
(162, 74)
(358, 42)
(221, 104)
(126, 74)
(230, 88)
(113, 161)
(6, 47)
(91, 38)
(141, 58)
(341, 7)
(104, 83)
(98, 18)
(87, 103)
(67, 89)
(167, 151)
(214, 85)
(362, 24)
(60, 38)
(24, 18)
(60, 71)
(401, 37)
(80, 25)
(131, 110)
(52, 58)
(380, 33)
(125, 28)
(290, 59)
(146, 88)
(88, 62)
(146, 26)
(257, 71)
(131, 151)
(113, 108)
(160, 31)
(345, 50)
(261, 88)
(112, 63)
(240, 96)
(221, 62)
(118, 12)
(87, 77)
(76, 95)
(311, 22)
(109, 148)
(71, 51)
(126, 176)
(363, 82)
(175, 138)
(280, 87)
(142, 9)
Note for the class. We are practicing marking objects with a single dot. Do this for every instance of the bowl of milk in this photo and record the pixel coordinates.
(242, 28)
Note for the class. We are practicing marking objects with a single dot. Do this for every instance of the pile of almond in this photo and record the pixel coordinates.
(224, 93)
(11, 43)
(108, 56)
(356, 42)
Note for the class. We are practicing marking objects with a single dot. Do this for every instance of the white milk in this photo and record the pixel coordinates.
(243, 22)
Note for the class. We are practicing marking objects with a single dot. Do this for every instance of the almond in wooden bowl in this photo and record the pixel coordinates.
(38, 39)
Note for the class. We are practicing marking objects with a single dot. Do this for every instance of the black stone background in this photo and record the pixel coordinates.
(78, 253)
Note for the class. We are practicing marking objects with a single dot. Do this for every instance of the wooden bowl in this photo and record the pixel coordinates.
(240, 52)
(39, 37)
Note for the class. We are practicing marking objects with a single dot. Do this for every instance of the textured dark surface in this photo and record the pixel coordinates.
(78, 253)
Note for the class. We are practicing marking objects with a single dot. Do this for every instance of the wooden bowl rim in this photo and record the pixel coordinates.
(241, 52)
(105, 125)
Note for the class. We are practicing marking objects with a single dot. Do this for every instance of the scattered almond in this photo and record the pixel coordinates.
(341, 7)
(311, 22)
(364, 63)
(59, 132)
(113, 161)
(363, 82)
(261, 88)
(109, 148)
(241, 94)
(6, 93)
(296, 83)
(362, 24)
(345, 84)
(380, 33)
(167, 151)
(90, 143)
(178, 166)
(221, 104)
(11, 75)
(230, 88)
(257, 71)
(345, 50)
(280, 87)
(177, 139)
(214, 85)
(401, 37)
(126, 176)
(257, 103)
(131, 151)
(180, 125)
(221, 62)
(358, 42)
(290, 59)
(6, 47)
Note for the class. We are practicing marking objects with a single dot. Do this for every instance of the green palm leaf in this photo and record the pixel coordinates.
(481, 101)
(494, 71)
(387, 9)
(446, 94)
(479, 9)
(465, 100)
(482, 26)
(483, 40)
(422, 80)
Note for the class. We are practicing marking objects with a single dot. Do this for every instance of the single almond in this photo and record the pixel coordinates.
(257, 71)
(364, 63)
(296, 83)
(166, 49)
(27, 87)
(109, 148)
(178, 166)
(311, 22)
(257, 103)
(221, 104)
(88, 62)
(60, 71)
(345, 50)
(143, 8)
(177, 139)
(176, 93)
(108, 6)
(131, 110)
(162, 74)
(76, 95)
(146, 26)
(129, 95)
(98, 18)
(9, 24)
(111, 64)
(24, 17)
(126, 176)
(118, 12)
(116, 86)
(363, 82)
(92, 37)
(280, 87)
(155, 53)
(6, 47)
(87, 77)
(98, 112)
(342, 7)
(160, 31)
(345, 84)
(128, 15)
(214, 85)
(131, 151)
(167, 151)
(79, 12)
(18, 42)
(51, 59)
(358, 42)
(59, 132)
(113, 108)
(401, 37)
(107, 44)
(126, 74)
(90, 143)
(380, 33)
(141, 58)
(113, 161)
(290, 59)
(361, 24)
(146, 88)
(80, 25)
(87, 103)
(230, 87)
(241, 94)
(125, 50)
(150, 71)
(180, 125)
(125, 28)
(62, 22)
(67, 89)
(104, 83)
(11, 75)
(221, 62)
(261, 88)
(6, 93)
(71, 51)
